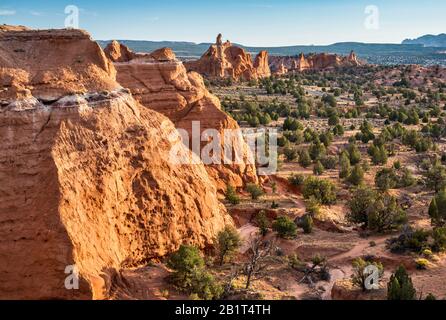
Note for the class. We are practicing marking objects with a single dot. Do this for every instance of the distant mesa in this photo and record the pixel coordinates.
(224, 60)
(429, 40)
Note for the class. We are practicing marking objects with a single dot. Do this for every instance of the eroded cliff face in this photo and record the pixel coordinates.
(85, 173)
(322, 61)
(224, 60)
(160, 82)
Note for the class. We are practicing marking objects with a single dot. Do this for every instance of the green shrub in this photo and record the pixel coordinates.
(318, 168)
(285, 227)
(385, 214)
(437, 208)
(436, 178)
(312, 206)
(400, 286)
(357, 175)
(378, 155)
(296, 179)
(228, 241)
(290, 154)
(421, 263)
(184, 262)
(439, 237)
(322, 190)
(386, 179)
(255, 191)
(304, 158)
(329, 162)
(409, 240)
(262, 222)
(307, 224)
(231, 195)
(362, 198)
(376, 212)
(204, 285)
(317, 150)
(345, 167)
(354, 154)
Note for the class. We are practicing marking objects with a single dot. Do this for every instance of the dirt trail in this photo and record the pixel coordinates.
(359, 249)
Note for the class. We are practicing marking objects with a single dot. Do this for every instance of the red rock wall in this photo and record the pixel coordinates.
(166, 87)
(86, 178)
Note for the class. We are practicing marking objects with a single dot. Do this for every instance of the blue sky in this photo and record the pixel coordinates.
(250, 22)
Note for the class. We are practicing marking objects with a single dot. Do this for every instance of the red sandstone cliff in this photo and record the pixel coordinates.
(224, 60)
(160, 82)
(84, 171)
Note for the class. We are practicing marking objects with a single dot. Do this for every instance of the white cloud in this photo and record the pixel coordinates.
(36, 13)
(7, 12)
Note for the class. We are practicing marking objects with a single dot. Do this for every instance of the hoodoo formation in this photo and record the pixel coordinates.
(225, 60)
(84, 168)
(317, 62)
(160, 82)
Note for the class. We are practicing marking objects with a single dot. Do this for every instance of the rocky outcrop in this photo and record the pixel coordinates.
(85, 171)
(224, 60)
(118, 52)
(261, 65)
(281, 70)
(317, 62)
(166, 86)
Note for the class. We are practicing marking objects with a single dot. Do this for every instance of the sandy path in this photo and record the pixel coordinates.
(359, 249)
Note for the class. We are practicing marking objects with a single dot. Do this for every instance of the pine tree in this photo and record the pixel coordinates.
(344, 163)
(357, 175)
(433, 211)
(400, 286)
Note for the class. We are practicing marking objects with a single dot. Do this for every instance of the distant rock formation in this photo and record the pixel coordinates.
(224, 60)
(85, 174)
(117, 52)
(428, 40)
(261, 65)
(281, 70)
(321, 61)
(161, 82)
